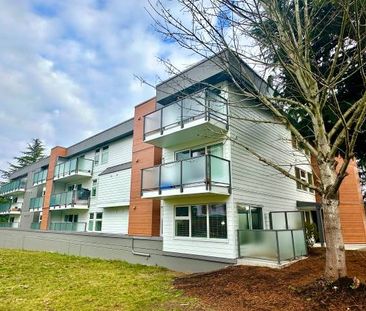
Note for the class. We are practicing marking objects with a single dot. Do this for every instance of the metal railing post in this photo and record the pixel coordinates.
(293, 244)
(181, 176)
(181, 115)
(206, 173)
(278, 249)
(159, 179)
(161, 122)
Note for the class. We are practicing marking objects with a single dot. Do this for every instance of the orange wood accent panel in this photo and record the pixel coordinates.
(352, 211)
(351, 207)
(55, 153)
(144, 214)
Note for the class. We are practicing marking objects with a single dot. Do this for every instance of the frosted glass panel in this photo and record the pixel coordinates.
(150, 178)
(294, 220)
(278, 221)
(258, 244)
(85, 165)
(194, 170)
(152, 121)
(299, 241)
(193, 107)
(172, 115)
(285, 245)
(170, 175)
(219, 170)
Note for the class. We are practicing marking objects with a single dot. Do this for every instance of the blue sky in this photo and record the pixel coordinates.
(67, 68)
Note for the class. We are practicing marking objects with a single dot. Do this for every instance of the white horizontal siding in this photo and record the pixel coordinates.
(114, 189)
(223, 248)
(115, 220)
(253, 181)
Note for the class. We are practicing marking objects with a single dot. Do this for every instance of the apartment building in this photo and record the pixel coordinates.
(181, 169)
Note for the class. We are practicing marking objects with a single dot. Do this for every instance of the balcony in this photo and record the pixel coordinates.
(206, 174)
(76, 199)
(40, 177)
(36, 204)
(13, 188)
(74, 169)
(68, 226)
(10, 208)
(35, 226)
(9, 224)
(202, 115)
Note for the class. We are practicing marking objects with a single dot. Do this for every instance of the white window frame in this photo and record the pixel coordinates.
(94, 220)
(305, 176)
(201, 147)
(104, 155)
(189, 218)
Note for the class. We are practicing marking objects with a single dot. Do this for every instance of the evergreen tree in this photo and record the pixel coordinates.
(33, 153)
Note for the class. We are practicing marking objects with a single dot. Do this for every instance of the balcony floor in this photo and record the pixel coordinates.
(69, 207)
(192, 131)
(73, 177)
(188, 191)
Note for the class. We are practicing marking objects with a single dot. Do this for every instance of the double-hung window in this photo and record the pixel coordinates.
(105, 155)
(304, 176)
(201, 221)
(94, 188)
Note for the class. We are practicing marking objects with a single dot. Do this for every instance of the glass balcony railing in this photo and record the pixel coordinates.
(36, 203)
(284, 241)
(40, 177)
(70, 198)
(202, 105)
(5, 207)
(207, 171)
(9, 224)
(35, 225)
(68, 226)
(274, 245)
(14, 186)
(73, 167)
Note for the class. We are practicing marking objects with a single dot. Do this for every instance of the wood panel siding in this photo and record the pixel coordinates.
(352, 212)
(144, 214)
(55, 153)
(351, 206)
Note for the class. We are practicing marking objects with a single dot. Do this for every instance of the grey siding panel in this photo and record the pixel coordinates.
(118, 247)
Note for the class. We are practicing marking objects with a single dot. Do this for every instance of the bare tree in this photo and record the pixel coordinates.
(207, 27)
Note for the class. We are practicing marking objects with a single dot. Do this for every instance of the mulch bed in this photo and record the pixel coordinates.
(298, 287)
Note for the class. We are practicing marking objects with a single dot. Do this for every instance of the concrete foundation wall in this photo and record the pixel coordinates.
(107, 246)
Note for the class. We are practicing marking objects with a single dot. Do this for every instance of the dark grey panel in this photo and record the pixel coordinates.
(31, 168)
(121, 130)
(116, 168)
(208, 72)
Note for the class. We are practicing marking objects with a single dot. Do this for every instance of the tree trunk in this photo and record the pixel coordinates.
(335, 266)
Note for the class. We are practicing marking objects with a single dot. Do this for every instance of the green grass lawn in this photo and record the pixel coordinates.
(47, 281)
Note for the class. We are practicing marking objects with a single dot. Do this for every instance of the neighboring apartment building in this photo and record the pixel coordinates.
(179, 169)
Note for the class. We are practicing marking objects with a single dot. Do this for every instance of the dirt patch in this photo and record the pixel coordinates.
(298, 287)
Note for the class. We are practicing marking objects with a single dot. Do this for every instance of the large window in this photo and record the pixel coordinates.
(304, 176)
(216, 150)
(95, 222)
(201, 221)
